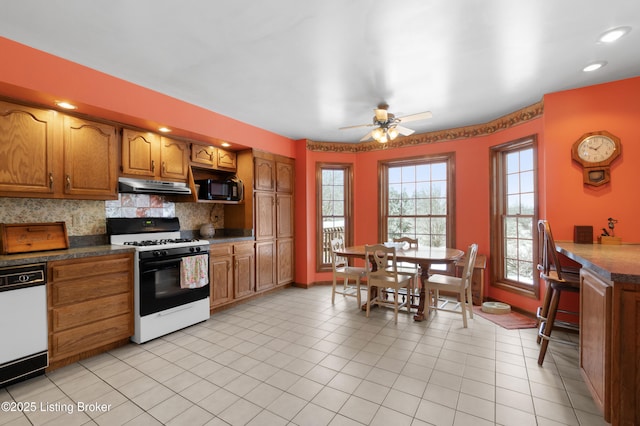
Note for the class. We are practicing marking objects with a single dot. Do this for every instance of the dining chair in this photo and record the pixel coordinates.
(558, 279)
(459, 285)
(351, 276)
(382, 272)
(409, 268)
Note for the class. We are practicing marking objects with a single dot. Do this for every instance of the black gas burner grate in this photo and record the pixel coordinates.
(160, 242)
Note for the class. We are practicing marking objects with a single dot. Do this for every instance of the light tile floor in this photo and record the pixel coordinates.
(291, 358)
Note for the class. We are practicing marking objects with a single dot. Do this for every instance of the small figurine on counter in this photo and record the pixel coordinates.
(612, 223)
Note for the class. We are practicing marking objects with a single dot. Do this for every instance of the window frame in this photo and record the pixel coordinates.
(348, 209)
(498, 209)
(383, 181)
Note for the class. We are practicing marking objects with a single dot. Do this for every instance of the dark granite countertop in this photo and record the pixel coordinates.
(221, 240)
(72, 253)
(619, 263)
(96, 250)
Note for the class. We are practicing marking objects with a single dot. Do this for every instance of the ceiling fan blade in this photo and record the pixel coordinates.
(381, 114)
(414, 117)
(404, 131)
(366, 137)
(355, 127)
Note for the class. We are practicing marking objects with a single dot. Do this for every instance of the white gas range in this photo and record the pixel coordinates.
(171, 279)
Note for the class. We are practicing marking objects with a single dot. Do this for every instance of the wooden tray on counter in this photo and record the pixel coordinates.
(30, 237)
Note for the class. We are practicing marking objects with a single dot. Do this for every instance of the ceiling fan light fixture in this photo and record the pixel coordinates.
(393, 133)
(377, 134)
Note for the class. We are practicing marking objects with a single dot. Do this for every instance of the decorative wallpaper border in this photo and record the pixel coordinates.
(510, 120)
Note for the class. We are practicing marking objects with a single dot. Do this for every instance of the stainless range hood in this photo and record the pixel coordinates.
(141, 186)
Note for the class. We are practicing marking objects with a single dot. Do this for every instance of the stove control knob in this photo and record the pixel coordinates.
(164, 253)
(156, 253)
(194, 249)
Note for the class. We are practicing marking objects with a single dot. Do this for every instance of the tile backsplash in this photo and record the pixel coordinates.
(87, 217)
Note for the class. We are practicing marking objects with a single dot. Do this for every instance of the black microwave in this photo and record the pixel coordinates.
(230, 189)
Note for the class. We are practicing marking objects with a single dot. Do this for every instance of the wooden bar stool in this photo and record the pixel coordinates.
(557, 281)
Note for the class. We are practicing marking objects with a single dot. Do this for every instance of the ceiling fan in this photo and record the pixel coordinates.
(388, 125)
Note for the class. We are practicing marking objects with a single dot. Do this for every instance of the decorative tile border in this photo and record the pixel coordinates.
(510, 120)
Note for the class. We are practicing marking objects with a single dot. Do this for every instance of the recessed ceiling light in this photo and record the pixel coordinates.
(594, 66)
(225, 144)
(614, 34)
(164, 129)
(65, 105)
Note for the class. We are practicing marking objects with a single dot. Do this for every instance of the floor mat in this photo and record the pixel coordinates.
(510, 321)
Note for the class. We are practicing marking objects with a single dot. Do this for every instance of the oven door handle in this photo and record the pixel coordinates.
(156, 265)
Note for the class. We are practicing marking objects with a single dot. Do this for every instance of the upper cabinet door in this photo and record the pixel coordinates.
(174, 156)
(226, 160)
(284, 177)
(203, 155)
(140, 153)
(90, 153)
(265, 174)
(26, 150)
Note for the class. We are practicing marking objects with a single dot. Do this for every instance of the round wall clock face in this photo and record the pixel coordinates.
(596, 148)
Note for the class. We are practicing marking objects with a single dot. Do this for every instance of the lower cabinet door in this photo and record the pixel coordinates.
(265, 265)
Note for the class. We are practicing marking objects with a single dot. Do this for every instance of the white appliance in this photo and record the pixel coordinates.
(162, 305)
(23, 322)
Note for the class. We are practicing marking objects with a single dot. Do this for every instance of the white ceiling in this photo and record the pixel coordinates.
(302, 69)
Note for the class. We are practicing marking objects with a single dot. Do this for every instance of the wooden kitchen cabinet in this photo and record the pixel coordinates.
(285, 260)
(140, 153)
(226, 160)
(268, 209)
(90, 159)
(244, 269)
(265, 215)
(595, 337)
(174, 159)
(90, 303)
(266, 267)
(609, 356)
(274, 220)
(210, 157)
(284, 215)
(27, 150)
(52, 155)
(221, 274)
(625, 354)
(284, 177)
(150, 156)
(264, 174)
(232, 272)
(203, 155)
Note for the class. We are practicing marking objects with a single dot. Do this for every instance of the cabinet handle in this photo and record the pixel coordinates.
(51, 180)
(164, 168)
(153, 165)
(68, 182)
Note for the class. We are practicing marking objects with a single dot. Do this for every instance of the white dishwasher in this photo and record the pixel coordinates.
(23, 322)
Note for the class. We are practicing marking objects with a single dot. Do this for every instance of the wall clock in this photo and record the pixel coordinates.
(595, 152)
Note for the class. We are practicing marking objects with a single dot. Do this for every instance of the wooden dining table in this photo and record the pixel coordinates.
(423, 256)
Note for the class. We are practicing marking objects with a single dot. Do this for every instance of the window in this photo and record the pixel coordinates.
(417, 200)
(514, 215)
(334, 209)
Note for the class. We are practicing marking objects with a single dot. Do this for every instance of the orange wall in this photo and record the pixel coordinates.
(567, 116)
